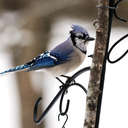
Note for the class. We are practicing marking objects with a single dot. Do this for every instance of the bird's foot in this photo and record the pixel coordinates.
(91, 56)
(63, 84)
(68, 77)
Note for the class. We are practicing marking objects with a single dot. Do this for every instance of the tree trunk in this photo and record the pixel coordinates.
(97, 64)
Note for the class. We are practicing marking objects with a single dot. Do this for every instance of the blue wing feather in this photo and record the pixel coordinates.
(48, 59)
(42, 63)
(44, 60)
(17, 68)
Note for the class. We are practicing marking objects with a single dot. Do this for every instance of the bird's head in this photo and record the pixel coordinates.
(80, 37)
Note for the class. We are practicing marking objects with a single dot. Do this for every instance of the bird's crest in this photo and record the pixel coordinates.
(79, 29)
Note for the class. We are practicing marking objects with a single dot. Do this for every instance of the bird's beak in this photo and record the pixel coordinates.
(90, 39)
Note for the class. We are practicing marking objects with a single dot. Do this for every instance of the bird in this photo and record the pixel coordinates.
(62, 59)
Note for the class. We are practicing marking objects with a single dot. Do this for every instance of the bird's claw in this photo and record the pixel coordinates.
(68, 77)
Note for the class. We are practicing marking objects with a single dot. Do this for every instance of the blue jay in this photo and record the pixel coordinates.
(63, 58)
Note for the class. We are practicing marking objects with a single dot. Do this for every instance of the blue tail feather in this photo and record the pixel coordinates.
(17, 68)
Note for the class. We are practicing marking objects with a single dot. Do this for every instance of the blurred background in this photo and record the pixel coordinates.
(28, 28)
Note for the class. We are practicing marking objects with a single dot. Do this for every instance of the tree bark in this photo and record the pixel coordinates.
(97, 64)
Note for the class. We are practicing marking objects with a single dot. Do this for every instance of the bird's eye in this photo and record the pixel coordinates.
(80, 37)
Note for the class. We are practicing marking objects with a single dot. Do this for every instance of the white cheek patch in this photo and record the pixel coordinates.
(79, 41)
(80, 44)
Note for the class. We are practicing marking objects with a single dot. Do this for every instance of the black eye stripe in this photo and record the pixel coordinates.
(74, 36)
(82, 37)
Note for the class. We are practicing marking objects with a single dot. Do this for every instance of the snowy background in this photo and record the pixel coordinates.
(114, 106)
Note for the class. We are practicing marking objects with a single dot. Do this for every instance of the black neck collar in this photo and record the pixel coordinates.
(73, 39)
(74, 43)
(81, 50)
